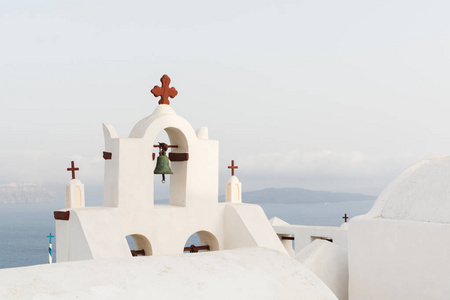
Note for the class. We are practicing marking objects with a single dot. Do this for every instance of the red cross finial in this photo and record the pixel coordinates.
(232, 167)
(345, 218)
(73, 169)
(164, 91)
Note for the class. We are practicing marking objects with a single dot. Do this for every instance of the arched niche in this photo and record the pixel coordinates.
(161, 191)
(180, 133)
(140, 243)
(177, 180)
(205, 238)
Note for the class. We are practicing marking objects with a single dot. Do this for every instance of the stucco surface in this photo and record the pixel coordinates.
(420, 193)
(398, 259)
(330, 263)
(248, 273)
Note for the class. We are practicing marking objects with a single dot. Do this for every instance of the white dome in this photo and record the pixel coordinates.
(420, 193)
(250, 273)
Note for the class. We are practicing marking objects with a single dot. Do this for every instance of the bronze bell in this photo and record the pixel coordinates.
(162, 163)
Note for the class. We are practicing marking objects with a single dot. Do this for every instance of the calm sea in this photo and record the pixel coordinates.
(24, 227)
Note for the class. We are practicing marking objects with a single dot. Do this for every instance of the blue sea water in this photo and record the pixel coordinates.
(23, 233)
(322, 214)
(24, 227)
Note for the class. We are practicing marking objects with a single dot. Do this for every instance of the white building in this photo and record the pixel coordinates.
(396, 251)
(129, 208)
(399, 249)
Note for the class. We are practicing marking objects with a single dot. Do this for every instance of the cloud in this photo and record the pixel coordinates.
(41, 167)
(352, 171)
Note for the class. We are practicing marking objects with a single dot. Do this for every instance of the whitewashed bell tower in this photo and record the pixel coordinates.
(128, 204)
(129, 171)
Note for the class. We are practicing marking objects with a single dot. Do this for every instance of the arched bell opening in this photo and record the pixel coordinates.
(201, 241)
(161, 191)
(139, 245)
(174, 187)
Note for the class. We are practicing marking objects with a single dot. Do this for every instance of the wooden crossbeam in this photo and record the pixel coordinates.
(62, 215)
(178, 156)
(168, 146)
(137, 252)
(195, 249)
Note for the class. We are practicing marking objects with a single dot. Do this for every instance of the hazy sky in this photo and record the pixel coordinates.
(326, 95)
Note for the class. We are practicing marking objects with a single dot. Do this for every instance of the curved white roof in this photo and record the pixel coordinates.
(250, 273)
(420, 193)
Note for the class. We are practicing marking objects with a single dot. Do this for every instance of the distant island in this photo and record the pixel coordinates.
(292, 196)
(33, 193)
(24, 193)
(298, 195)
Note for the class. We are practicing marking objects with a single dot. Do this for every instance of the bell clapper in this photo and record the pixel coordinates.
(163, 148)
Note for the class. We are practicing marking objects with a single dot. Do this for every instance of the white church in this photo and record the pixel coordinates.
(395, 251)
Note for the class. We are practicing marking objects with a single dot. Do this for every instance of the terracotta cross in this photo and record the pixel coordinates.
(73, 169)
(345, 218)
(232, 167)
(164, 91)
